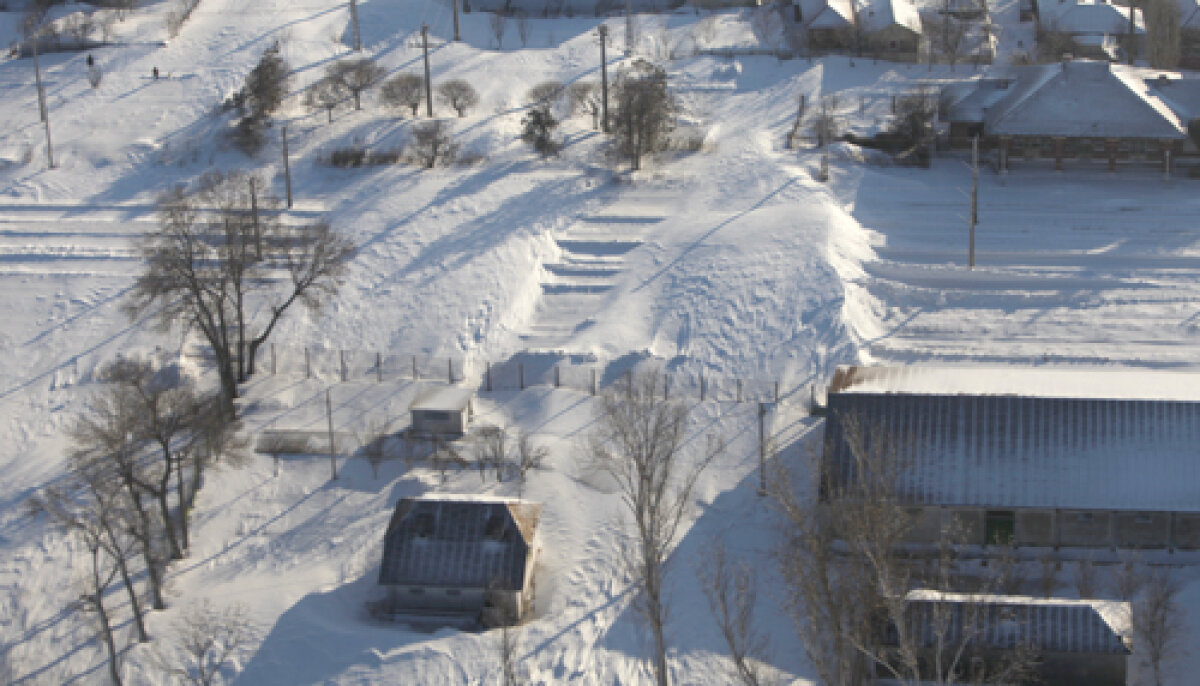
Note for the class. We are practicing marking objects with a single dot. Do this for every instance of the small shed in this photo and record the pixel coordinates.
(462, 558)
(442, 411)
(1076, 642)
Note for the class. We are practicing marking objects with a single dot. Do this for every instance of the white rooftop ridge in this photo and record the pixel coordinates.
(444, 398)
(1040, 382)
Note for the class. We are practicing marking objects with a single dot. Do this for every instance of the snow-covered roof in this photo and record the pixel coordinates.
(1082, 98)
(459, 542)
(1051, 625)
(1182, 95)
(969, 101)
(1017, 438)
(877, 15)
(826, 14)
(1099, 383)
(1088, 17)
(444, 399)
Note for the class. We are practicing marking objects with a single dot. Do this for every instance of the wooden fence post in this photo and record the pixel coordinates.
(307, 364)
(739, 390)
(274, 368)
(702, 388)
(378, 367)
(557, 378)
(450, 370)
(776, 392)
(593, 381)
(414, 361)
(342, 361)
(666, 386)
(521, 374)
(488, 374)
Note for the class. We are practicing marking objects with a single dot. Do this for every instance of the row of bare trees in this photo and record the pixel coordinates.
(347, 80)
(137, 458)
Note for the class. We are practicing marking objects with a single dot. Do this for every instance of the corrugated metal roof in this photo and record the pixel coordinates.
(459, 543)
(1014, 451)
(1003, 622)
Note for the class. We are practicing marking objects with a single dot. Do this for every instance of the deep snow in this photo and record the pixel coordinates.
(731, 263)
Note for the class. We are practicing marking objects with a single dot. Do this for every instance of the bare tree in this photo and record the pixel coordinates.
(326, 94)
(529, 457)
(459, 95)
(431, 143)
(523, 28)
(105, 446)
(1128, 577)
(947, 34)
(508, 644)
(1157, 622)
(91, 599)
(1163, 39)
(404, 90)
(732, 592)
(644, 111)
(491, 448)
(203, 642)
(546, 93)
(1048, 574)
(639, 442)
(584, 96)
(826, 120)
(374, 443)
(848, 573)
(497, 21)
(355, 75)
(1085, 578)
(220, 264)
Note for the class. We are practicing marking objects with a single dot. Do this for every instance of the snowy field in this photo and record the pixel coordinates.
(731, 262)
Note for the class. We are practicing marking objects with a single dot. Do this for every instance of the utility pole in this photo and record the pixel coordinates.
(974, 197)
(628, 27)
(762, 448)
(603, 79)
(454, 4)
(287, 169)
(43, 106)
(428, 82)
(332, 447)
(354, 20)
(254, 218)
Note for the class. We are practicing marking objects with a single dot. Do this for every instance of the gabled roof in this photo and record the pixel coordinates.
(459, 542)
(826, 14)
(1082, 98)
(877, 15)
(993, 444)
(1050, 625)
(1087, 17)
(444, 398)
(1182, 95)
(969, 101)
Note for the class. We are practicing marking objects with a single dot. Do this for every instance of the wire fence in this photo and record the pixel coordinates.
(528, 370)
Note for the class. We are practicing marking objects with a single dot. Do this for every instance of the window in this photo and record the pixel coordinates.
(423, 524)
(494, 528)
(1000, 525)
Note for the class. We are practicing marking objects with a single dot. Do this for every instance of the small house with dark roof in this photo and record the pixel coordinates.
(461, 558)
(1054, 458)
(1076, 642)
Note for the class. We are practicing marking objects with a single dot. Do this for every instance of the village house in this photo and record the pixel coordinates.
(442, 411)
(1073, 642)
(887, 29)
(1083, 459)
(1088, 28)
(1077, 111)
(461, 559)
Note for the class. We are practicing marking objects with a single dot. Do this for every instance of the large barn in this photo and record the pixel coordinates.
(1055, 458)
(460, 558)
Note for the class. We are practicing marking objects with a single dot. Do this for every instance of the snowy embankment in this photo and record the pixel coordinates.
(729, 262)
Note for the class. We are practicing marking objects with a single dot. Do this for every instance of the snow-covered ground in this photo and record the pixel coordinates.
(730, 262)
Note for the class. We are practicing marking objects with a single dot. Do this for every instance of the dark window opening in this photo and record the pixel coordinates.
(999, 527)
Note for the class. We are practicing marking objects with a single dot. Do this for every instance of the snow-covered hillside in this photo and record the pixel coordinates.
(730, 262)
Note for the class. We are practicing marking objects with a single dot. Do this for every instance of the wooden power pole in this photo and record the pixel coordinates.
(428, 81)
(287, 168)
(603, 79)
(974, 197)
(354, 21)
